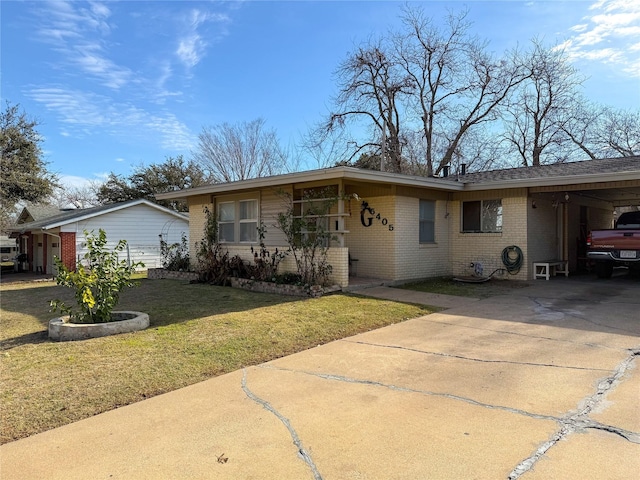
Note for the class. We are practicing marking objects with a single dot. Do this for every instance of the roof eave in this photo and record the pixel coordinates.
(334, 173)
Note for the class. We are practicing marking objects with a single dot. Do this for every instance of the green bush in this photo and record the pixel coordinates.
(175, 256)
(97, 282)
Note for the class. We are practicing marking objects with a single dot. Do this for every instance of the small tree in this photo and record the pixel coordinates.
(306, 229)
(97, 283)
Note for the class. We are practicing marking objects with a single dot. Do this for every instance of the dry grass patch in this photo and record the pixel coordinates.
(197, 332)
(448, 286)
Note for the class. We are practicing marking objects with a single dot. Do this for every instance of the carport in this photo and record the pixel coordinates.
(549, 210)
(585, 207)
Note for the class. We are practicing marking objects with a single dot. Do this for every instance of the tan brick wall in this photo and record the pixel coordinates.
(374, 246)
(197, 221)
(413, 259)
(487, 248)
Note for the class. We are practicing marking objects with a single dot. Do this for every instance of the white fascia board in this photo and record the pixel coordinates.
(335, 173)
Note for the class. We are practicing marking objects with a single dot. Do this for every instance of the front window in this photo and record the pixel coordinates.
(427, 221)
(238, 221)
(483, 216)
(226, 221)
(249, 221)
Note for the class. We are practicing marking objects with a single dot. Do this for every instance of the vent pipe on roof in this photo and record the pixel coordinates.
(463, 169)
(445, 171)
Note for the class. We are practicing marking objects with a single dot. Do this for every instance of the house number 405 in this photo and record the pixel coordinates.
(367, 220)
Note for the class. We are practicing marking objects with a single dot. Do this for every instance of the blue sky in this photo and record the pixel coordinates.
(117, 84)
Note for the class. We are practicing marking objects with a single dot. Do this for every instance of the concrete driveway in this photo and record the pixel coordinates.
(541, 384)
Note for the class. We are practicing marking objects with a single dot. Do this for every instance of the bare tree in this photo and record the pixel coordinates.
(619, 134)
(76, 196)
(542, 107)
(599, 131)
(371, 88)
(238, 152)
(459, 85)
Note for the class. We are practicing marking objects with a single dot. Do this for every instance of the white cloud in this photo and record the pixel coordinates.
(609, 35)
(85, 113)
(191, 44)
(78, 34)
(68, 181)
(190, 50)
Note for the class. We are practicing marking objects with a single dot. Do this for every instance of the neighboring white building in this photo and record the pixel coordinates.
(45, 233)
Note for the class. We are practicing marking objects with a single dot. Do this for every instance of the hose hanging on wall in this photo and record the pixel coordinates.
(512, 258)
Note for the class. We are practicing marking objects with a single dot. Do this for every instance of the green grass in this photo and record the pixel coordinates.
(197, 332)
(448, 286)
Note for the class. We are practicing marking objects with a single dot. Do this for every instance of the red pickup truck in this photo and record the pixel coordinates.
(616, 247)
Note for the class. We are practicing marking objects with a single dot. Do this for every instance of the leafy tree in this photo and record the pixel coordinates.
(174, 174)
(237, 152)
(97, 281)
(24, 173)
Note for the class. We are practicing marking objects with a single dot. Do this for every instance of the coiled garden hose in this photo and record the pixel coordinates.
(512, 258)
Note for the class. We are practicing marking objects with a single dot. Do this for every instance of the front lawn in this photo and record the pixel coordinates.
(197, 332)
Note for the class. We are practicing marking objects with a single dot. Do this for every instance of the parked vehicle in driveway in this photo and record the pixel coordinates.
(616, 247)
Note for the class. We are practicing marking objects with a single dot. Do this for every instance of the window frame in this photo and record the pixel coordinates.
(237, 221)
(432, 221)
(245, 221)
(478, 216)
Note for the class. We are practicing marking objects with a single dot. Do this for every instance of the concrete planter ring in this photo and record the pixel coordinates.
(123, 322)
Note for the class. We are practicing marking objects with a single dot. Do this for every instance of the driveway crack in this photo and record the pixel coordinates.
(526, 335)
(373, 383)
(581, 421)
(473, 359)
(302, 452)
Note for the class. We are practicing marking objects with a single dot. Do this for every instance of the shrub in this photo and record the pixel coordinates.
(265, 263)
(214, 264)
(97, 282)
(175, 257)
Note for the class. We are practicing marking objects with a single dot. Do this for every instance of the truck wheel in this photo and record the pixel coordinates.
(604, 269)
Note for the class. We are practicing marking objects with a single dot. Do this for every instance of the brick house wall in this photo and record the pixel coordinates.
(68, 249)
(486, 248)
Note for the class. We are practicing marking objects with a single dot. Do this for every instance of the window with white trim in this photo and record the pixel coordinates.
(427, 221)
(238, 221)
(482, 216)
(248, 220)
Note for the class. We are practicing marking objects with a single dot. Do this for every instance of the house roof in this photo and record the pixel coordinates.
(332, 173)
(35, 212)
(574, 173)
(63, 217)
(607, 169)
